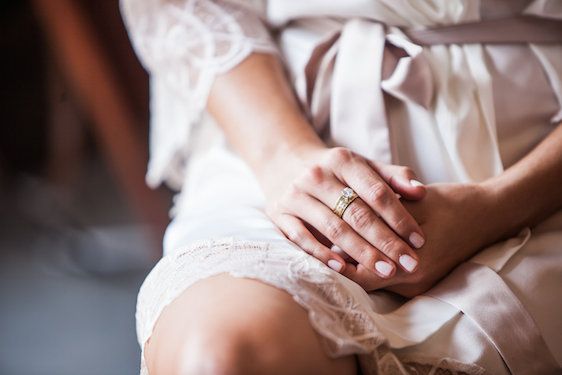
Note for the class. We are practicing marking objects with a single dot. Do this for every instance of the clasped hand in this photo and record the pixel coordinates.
(398, 235)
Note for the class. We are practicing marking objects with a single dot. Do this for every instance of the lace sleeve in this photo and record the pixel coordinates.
(184, 45)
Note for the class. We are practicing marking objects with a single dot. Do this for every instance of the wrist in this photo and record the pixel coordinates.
(506, 216)
(284, 159)
(287, 152)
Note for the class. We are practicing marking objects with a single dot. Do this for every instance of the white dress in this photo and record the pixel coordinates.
(472, 120)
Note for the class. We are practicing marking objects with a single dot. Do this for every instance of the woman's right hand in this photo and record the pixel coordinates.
(375, 230)
(255, 106)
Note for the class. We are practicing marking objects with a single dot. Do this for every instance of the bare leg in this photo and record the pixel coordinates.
(226, 325)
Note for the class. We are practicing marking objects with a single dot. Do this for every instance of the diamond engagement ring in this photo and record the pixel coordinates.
(347, 196)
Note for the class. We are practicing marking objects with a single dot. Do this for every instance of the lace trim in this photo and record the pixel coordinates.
(189, 42)
(344, 324)
(185, 44)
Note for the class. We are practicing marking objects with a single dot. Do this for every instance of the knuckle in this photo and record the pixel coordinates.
(340, 155)
(368, 257)
(402, 225)
(289, 202)
(293, 192)
(316, 252)
(296, 236)
(380, 194)
(315, 175)
(389, 247)
(407, 171)
(334, 229)
(359, 217)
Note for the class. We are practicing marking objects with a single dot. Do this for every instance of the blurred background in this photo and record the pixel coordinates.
(79, 230)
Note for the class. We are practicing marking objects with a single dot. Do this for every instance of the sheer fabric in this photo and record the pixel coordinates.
(346, 323)
(185, 44)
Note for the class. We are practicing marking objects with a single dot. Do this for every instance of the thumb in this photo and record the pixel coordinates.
(409, 187)
(402, 180)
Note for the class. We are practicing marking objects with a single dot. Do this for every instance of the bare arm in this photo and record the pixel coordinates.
(462, 219)
(257, 110)
(530, 190)
(302, 178)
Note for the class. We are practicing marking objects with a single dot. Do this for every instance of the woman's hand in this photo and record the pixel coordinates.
(263, 123)
(375, 230)
(457, 222)
(302, 179)
(461, 219)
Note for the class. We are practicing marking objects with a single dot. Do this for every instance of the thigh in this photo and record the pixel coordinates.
(224, 324)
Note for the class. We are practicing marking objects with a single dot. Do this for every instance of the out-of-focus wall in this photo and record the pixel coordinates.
(73, 247)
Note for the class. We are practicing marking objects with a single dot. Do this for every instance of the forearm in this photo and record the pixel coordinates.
(258, 112)
(530, 190)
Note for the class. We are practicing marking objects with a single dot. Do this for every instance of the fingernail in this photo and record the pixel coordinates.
(335, 265)
(384, 268)
(415, 183)
(408, 262)
(416, 240)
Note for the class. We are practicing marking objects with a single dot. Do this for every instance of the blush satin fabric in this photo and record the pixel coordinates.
(454, 113)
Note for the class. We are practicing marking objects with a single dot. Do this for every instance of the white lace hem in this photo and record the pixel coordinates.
(345, 324)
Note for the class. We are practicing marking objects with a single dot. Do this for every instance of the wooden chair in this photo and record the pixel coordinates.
(90, 71)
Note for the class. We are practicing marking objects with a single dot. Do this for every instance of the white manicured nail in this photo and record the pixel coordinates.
(415, 183)
(384, 268)
(408, 262)
(335, 265)
(416, 240)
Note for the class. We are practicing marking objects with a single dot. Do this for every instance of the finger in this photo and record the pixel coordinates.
(341, 234)
(295, 231)
(357, 173)
(366, 279)
(319, 236)
(366, 223)
(345, 256)
(402, 180)
(374, 230)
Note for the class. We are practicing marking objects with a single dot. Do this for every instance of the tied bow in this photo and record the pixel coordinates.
(347, 77)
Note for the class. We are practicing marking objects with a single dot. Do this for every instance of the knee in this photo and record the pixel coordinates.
(229, 352)
(237, 326)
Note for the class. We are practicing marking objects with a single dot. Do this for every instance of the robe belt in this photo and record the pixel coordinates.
(350, 72)
(346, 78)
(481, 294)
(517, 29)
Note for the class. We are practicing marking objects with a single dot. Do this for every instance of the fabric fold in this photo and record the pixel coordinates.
(338, 84)
(490, 307)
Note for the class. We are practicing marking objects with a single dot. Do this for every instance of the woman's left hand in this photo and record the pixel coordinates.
(456, 221)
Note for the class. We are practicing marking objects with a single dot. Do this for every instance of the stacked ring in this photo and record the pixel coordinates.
(347, 196)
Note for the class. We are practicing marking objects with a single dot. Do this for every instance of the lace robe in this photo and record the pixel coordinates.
(185, 43)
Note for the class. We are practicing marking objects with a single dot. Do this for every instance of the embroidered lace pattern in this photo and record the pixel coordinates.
(185, 44)
(344, 323)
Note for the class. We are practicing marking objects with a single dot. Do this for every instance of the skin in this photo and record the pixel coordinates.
(302, 179)
(290, 162)
(270, 333)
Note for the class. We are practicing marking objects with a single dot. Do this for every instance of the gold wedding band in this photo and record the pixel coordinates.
(347, 196)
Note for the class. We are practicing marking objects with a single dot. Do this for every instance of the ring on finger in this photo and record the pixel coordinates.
(346, 197)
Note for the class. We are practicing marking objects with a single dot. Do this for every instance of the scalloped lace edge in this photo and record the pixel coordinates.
(344, 324)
